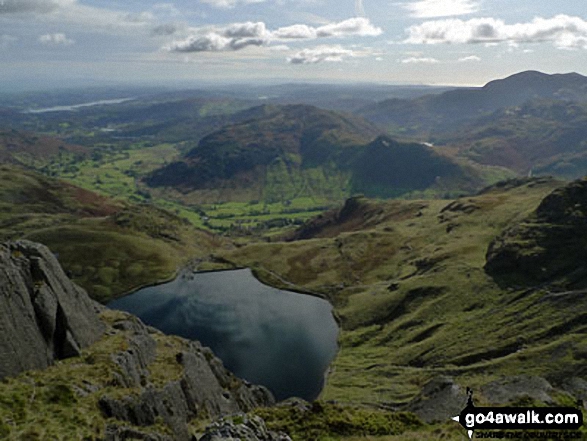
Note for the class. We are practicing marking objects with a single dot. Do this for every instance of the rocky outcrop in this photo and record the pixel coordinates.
(43, 316)
(242, 428)
(548, 246)
(440, 399)
(517, 389)
(140, 383)
(202, 387)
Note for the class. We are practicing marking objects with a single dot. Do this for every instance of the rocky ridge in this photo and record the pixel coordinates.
(44, 317)
(548, 246)
(199, 387)
(110, 376)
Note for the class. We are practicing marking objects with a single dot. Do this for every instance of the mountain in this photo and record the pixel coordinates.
(386, 168)
(285, 152)
(29, 149)
(542, 136)
(439, 113)
(281, 143)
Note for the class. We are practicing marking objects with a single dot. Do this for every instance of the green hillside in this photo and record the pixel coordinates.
(290, 152)
(109, 247)
(408, 280)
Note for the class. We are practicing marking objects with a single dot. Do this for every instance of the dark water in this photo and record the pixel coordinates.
(276, 338)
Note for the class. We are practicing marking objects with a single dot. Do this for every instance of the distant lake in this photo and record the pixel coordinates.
(78, 106)
(280, 339)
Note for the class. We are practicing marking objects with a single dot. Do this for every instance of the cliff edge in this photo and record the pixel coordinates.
(43, 316)
(72, 369)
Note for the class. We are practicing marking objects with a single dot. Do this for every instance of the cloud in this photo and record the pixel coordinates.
(319, 54)
(74, 14)
(31, 6)
(240, 35)
(469, 58)
(359, 9)
(279, 48)
(359, 26)
(420, 60)
(563, 31)
(441, 8)
(139, 17)
(168, 9)
(6, 40)
(231, 38)
(58, 39)
(165, 29)
(295, 32)
(228, 4)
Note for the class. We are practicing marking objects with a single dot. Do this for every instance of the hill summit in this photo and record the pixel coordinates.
(442, 112)
(285, 152)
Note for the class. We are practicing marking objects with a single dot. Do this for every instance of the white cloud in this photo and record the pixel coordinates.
(353, 26)
(563, 31)
(357, 26)
(240, 35)
(233, 37)
(228, 4)
(420, 60)
(279, 48)
(295, 32)
(441, 8)
(319, 54)
(58, 39)
(469, 58)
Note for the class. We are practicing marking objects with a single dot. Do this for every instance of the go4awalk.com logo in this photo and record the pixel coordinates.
(545, 422)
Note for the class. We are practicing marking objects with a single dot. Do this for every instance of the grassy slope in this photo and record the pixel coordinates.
(415, 302)
(61, 402)
(108, 247)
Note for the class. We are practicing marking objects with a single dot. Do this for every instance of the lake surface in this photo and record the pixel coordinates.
(73, 107)
(280, 339)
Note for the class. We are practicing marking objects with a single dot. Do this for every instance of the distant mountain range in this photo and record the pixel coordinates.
(444, 143)
(540, 137)
(442, 112)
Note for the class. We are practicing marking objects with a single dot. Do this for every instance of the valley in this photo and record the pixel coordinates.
(445, 227)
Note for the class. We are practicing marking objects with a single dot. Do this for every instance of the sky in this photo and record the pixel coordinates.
(61, 43)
